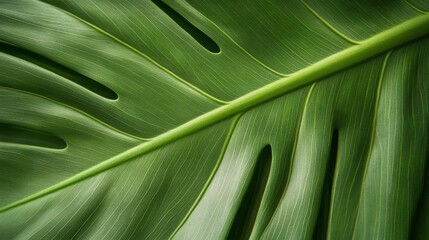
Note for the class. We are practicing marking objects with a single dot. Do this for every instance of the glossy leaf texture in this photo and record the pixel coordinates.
(150, 119)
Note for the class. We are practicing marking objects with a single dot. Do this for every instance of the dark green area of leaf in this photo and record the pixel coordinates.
(196, 33)
(21, 135)
(59, 69)
(321, 230)
(246, 215)
(419, 230)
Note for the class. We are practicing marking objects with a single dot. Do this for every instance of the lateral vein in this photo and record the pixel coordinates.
(373, 132)
(327, 24)
(135, 50)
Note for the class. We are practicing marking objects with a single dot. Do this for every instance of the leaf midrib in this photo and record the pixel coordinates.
(396, 36)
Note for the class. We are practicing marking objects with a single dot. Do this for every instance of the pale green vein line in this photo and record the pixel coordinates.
(209, 180)
(79, 111)
(326, 23)
(373, 133)
(405, 32)
(292, 156)
(100, 30)
(414, 7)
(235, 43)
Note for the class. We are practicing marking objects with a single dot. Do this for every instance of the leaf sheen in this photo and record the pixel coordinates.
(214, 120)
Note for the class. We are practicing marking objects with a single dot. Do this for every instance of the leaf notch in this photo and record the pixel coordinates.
(245, 217)
(322, 222)
(196, 33)
(60, 70)
(21, 135)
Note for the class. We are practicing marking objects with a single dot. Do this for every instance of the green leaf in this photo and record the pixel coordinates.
(214, 119)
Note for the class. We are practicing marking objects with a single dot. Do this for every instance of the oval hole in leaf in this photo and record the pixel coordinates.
(196, 33)
(246, 215)
(21, 135)
(321, 229)
(59, 69)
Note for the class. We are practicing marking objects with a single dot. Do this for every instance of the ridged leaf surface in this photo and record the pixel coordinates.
(149, 119)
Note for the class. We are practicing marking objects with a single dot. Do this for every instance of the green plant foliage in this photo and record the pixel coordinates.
(142, 119)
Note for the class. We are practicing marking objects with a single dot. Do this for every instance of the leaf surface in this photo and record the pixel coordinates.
(204, 120)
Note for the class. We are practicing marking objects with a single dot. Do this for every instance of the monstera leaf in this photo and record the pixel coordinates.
(142, 119)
